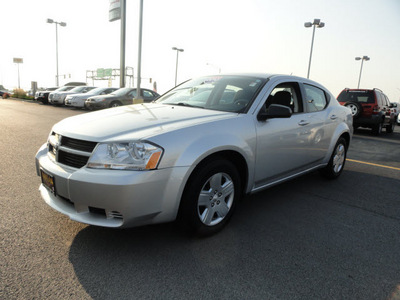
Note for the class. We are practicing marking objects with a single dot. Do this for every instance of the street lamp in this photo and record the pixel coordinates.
(316, 23)
(63, 24)
(177, 54)
(366, 58)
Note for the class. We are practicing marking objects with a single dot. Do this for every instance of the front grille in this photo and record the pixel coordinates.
(71, 159)
(68, 151)
(78, 144)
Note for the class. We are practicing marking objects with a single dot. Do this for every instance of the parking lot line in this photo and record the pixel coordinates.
(372, 164)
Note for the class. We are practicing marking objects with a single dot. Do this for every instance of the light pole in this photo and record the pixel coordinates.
(63, 24)
(366, 58)
(18, 61)
(316, 23)
(177, 54)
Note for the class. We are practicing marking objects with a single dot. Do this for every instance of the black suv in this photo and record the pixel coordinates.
(370, 108)
(43, 96)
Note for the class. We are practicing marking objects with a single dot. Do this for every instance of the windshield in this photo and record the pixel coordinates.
(64, 88)
(121, 92)
(223, 93)
(96, 90)
(78, 89)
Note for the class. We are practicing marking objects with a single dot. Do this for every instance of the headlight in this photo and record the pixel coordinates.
(126, 156)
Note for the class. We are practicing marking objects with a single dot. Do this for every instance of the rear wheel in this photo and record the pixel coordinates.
(337, 161)
(210, 197)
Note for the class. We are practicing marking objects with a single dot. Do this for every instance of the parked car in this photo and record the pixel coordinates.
(43, 96)
(370, 108)
(75, 83)
(123, 96)
(54, 97)
(59, 98)
(190, 156)
(78, 100)
(4, 93)
(396, 111)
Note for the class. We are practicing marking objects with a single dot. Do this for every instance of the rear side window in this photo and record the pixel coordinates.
(357, 96)
(315, 98)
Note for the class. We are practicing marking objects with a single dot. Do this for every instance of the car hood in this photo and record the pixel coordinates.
(82, 95)
(138, 121)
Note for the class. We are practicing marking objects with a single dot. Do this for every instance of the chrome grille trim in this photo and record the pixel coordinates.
(69, 151)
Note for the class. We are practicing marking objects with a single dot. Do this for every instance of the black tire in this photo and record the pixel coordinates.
(337, 161)
(377, 129)
(115, 104)
(355, 108)
(390, 127)
(217, 183)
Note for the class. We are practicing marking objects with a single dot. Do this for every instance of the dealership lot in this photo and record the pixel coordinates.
(306, 239)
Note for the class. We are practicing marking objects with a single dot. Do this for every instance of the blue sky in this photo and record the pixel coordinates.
(234, 36)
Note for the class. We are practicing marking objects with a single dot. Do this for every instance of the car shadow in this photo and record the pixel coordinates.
(365, 132)
(300, 239)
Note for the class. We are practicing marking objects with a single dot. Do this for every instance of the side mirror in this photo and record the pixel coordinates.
(275, 111)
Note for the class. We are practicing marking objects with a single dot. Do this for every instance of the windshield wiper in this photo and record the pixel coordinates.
(186, 104)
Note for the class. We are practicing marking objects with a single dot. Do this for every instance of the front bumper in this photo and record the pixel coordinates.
(96, 105)
(75, 103)
(56, 101)
(112, 198)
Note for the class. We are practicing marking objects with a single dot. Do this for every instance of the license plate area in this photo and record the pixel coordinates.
(48, 181)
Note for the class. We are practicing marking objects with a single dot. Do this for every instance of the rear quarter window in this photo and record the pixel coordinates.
(315, 98)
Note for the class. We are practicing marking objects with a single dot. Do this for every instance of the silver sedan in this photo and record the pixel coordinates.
(78, 100)
(191, 155)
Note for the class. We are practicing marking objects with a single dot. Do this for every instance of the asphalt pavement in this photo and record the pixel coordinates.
(309, 238)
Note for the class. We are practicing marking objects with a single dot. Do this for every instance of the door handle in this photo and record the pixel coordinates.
(333, 117)
(303, 123)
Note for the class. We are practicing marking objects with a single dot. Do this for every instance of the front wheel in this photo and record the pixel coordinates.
(115, 104)
(210, 197)
(337, 161)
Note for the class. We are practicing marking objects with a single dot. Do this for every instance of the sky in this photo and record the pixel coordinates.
(227, 36)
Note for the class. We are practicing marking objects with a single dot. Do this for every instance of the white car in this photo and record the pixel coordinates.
(55, 95)
(193, 153)
(78, 100)
(58, 97)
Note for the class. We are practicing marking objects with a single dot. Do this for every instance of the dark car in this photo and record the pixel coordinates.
(4, 93)
(370, 108)
(43, 96)
(123, 96)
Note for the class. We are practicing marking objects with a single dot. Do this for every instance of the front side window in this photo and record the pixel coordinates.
(315, 98)
(222, 93)
(286, 94)
(147, 94)
(122, 91)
